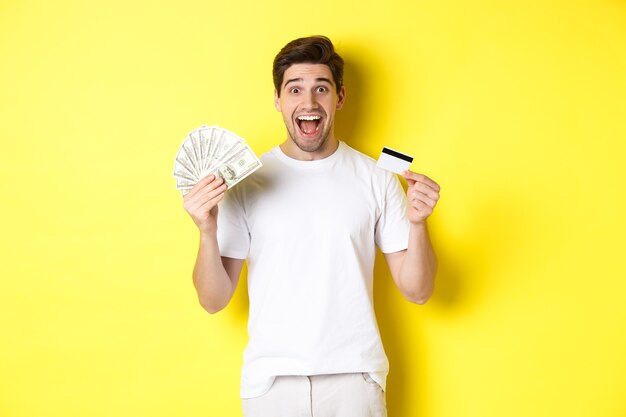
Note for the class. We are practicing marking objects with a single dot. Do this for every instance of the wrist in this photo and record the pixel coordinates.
(208, 235)
(419, 225)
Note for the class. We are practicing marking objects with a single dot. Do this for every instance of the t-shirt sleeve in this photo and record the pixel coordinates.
(392, 227)
(233, 236)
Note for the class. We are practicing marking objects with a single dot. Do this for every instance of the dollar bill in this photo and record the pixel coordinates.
(190, 152)
(180, 171)
(184, 164)
(238, 166)
(207, 135)
(198, 146)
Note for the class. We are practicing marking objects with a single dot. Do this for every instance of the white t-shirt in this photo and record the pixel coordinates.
(309, 231)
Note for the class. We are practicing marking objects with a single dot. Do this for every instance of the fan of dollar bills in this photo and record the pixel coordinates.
(213, 150)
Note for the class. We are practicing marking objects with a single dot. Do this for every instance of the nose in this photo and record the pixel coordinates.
(310, 101)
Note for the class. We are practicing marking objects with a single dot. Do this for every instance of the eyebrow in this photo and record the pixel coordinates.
(323, 79)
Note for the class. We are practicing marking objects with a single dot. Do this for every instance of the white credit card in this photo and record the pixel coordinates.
(394, 161)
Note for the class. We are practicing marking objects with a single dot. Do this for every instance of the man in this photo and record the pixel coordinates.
(308, 223)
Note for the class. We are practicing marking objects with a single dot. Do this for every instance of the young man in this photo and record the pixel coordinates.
(308, 223)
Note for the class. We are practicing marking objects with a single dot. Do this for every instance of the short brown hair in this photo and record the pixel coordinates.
(310, 50)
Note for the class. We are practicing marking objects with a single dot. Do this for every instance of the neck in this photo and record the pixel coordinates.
(292, 150)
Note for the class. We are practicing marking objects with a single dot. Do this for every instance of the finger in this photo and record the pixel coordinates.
(422, 208)
(212, 202)
(203, 196)
(410, 175)
(217, 191)
(409, 181)
(202, 188)
(214, 198)
(425, 189)
(201, 184)
(414, 176)
(210, 187)
(423, 198)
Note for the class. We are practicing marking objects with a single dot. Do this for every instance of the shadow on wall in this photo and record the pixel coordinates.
(346, 126)
(471, 266)
(402, 339)
(354, 121)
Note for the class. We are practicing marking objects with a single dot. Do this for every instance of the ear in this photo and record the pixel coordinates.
(341, 97)
(277, 101)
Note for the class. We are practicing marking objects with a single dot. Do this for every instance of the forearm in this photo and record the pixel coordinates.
(419, 266)
(213, 285)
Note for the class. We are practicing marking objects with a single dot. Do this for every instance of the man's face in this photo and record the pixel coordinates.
(308, 101)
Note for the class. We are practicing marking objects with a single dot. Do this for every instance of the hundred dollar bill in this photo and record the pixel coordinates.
(182, 182)
(238, 166)
(189, 153)
(198, 145)
(183, 166)
(185, 160)
(227, 146)
(207, 135)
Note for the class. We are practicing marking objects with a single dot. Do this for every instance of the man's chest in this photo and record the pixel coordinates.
(316, 207)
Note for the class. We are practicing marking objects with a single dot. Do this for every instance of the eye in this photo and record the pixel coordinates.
(294, 90)
(321, 89)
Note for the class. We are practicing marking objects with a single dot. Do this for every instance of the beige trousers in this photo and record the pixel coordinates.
(338, 395)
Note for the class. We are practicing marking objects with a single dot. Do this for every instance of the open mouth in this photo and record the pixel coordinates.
(309, 124)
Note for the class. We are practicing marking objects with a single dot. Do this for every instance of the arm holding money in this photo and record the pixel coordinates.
(414, 269)
(214, 277)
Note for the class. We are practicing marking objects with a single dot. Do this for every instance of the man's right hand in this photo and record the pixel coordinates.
(201, 202)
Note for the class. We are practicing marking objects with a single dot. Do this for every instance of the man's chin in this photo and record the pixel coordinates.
(309, 144)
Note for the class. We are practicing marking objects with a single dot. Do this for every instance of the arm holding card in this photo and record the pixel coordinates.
(414, 269)
(215, 277)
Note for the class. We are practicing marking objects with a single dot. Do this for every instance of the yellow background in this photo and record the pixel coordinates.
(516, 108)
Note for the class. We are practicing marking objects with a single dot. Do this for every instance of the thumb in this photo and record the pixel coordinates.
(407, 176)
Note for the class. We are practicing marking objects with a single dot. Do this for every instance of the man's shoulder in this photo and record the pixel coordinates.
(354, 153)
(268, 153)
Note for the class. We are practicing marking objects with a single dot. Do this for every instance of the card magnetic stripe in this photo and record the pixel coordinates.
(397, 154)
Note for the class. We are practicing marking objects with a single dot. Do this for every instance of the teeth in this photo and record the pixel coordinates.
(309, 117)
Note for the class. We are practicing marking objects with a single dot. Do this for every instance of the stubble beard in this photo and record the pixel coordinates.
(307, 146)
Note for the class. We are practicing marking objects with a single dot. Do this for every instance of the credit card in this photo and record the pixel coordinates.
(394, 161)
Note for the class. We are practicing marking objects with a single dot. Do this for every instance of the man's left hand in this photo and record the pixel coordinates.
(422, 194)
